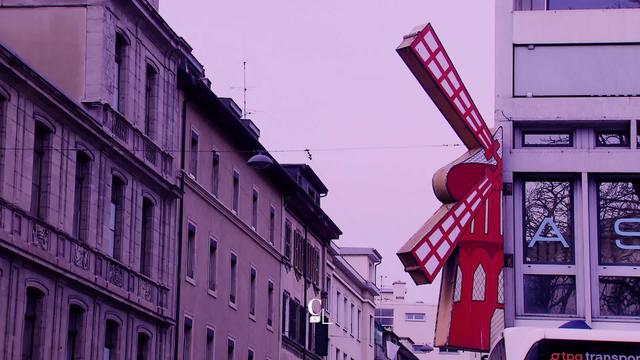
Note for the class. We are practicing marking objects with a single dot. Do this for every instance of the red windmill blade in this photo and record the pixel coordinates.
(425, 253)
(470, 219)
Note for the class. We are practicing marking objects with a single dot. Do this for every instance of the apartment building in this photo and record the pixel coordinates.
(231, 234)
(566, 94)
(307, 235)
(350, 304)
(88, 231)
(414, 322)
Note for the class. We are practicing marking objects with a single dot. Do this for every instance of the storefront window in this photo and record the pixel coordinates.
(550, 294)
(619, 296)
(619, 222)
(548, 222)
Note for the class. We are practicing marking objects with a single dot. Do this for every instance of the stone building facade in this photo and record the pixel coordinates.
(88, 231)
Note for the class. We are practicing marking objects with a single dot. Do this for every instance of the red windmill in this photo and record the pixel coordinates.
(464, 237)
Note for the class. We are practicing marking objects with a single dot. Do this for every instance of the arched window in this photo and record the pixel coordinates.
(33, 327)
(39, 175)
(479, 284)
(81, 200)
(457, 291)
(142, 347)
(119, 72)
(111, 340)
(146, 240)
(75, 332)
(114, 235)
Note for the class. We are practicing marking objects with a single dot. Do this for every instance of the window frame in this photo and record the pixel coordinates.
(624, 132)
(193, 154)
(559, 269)
(212, 279)
(607, 270)
(531, 131)
(190, 264)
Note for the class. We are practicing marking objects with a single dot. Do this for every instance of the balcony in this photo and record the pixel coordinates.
(59, 251)
(143, 147)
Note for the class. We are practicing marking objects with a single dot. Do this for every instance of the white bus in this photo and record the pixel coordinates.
(522, 343)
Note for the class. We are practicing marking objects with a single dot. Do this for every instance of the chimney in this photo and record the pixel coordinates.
(399, 290)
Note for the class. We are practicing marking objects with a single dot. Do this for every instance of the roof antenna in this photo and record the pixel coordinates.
(244, 89)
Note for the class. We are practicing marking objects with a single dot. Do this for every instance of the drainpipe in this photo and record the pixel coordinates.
(304, 281)
(180, 228)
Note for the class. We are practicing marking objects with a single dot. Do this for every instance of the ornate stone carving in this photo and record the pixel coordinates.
(115, 274)
(146, 290)
(40, 237)
(80, 256)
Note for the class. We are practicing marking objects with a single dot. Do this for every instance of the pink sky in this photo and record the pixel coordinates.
(324, 74)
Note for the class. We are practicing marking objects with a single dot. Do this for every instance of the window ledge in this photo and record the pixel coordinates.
(252, 317)
(234, 306)
(270, 328)
(212, 293)
(190, 280)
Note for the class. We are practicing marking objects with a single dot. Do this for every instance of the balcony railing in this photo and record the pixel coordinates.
(574, 4)
(61, 250)
(133, 139)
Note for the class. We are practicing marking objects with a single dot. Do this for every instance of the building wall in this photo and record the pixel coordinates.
(294, 286)
(40, 249)
(345, 335)
(583, 163)
(213, 220)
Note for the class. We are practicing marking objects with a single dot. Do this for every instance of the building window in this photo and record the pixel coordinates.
(287, 240)
(415, 317)
(272, 225)
(457, 291)
(371, 329)
(298, 249)
(327, 289)
(114, 235)
(209, 351)
(213, 263)
(384, 317)
(254, 210)
(146, 237)
(250, 354)
(41, 154)
(541, 138)
(352, 322)
(119, 73)
(191, 250)
(143, 347)
(75, 332)
(252, 292)
(33, 328)
(560, 70)
(236, 192)
(548, 280)
(548, 222)
(270, 304)
(612, 138)
(618, 245)
(81, 196)
(193, 154)
(111, 335)
(345, 311)
(233, 278)
(150, 100)
(358, 322)
(338, 354)
(591, 4)
(188, 332)
(479, 284)
(338, 312)
(293, 319)
(550, 294)
(231, 349)
(285, 312)
(215, 169)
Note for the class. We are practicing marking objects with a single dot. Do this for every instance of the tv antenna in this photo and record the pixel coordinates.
(244, 89)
